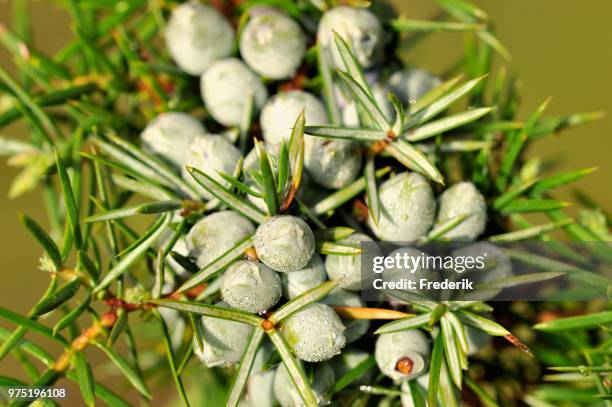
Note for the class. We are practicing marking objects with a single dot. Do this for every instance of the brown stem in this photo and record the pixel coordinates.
(107, 321)
(85, 339)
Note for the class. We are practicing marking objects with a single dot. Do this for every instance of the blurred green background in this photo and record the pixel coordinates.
(560, 48)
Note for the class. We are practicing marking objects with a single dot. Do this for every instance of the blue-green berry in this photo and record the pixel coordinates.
(210, 154)
(407, 208)
(359, 28)
(299, 281)
(345, 270)
(196, 36)
(332, 163)
(315, 333)
(403, 355)
(224, 341)
(354, 328)
(250, 286)
(410, 84)
(284, 243)
(170, 134)
(215, 234)
(279, 114)
(226, 87)
(463, 199)
(272, 44)
(289, 396)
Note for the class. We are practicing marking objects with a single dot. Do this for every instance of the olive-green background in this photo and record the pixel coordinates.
(561, 48)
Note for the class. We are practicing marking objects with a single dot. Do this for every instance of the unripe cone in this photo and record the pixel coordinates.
(284, 243)
(403, 355)
(197, 35)
(288, 396)
(170, 134)
(354, 328)
(225, 87)
(224, 341)
(250, 286)
(215, 234)
(409, 85)
(272, 44)
(332, 163)
(346, 270)
(315, 333)
(279, 114)
(407, 208)
(359, 28)
(463, 199)
(299, 281)
(210, 154)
